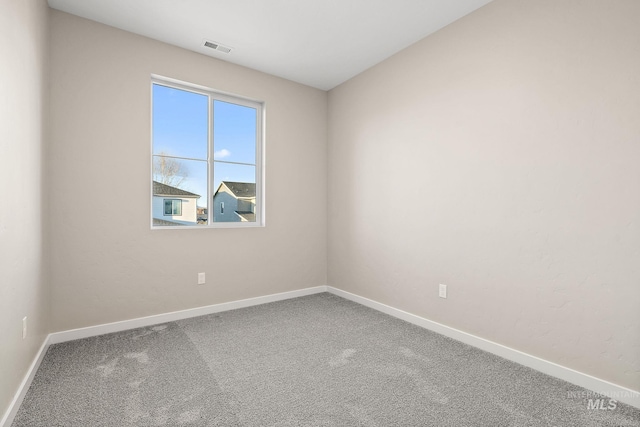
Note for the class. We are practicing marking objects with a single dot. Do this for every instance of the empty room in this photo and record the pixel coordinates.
(320, 213)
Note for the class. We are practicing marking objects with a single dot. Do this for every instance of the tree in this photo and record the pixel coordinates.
(169, 170)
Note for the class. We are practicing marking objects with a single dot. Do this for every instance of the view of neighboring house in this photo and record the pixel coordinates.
(235, 202)
(202, 214)
(173, 206)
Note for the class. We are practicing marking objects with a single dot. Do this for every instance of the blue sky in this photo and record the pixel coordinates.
(180, 128)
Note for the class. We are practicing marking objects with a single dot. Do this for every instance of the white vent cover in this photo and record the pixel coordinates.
(217, 46)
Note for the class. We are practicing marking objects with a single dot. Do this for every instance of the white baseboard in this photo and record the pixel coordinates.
(91, 331)
(107, 328)
(606, 388)
(11, 412)
(614, 391)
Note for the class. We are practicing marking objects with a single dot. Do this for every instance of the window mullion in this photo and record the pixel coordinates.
(210, 169)
(180, 158)
(259, 165)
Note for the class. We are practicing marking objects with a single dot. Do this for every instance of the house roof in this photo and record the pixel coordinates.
(160, 189)
(247, 216)
(240, 189)
(157, 221)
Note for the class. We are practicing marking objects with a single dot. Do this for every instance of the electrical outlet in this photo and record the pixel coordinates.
(201, 279)
(442, 291)
(24, 327)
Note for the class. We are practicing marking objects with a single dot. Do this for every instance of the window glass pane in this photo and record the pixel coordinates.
(234, 132)
(179, 191)
(180, 123)
(234, 196)
(176, 207)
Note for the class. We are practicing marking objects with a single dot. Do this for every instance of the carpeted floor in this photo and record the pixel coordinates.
(319, 360)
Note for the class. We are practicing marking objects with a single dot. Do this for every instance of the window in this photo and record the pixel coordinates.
(173, 207)
(206, 149)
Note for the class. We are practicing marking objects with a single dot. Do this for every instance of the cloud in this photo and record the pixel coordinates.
(221, 154)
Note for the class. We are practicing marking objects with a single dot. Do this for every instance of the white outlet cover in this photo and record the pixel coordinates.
(201, 278)
(442, 291)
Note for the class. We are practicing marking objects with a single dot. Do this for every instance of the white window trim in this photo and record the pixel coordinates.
(260, 152)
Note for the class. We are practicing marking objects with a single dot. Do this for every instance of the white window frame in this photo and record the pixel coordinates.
(212, 95)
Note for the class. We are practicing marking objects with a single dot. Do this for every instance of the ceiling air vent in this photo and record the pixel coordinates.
(217, 46)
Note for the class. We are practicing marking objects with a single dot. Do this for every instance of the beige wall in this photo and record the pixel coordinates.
(23, 96)
(500, 156)
(108, 267)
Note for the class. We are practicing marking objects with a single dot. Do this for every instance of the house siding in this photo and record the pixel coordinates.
(189, 210)
(230, 207)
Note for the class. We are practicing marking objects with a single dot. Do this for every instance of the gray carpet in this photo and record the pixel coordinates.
(319, 360)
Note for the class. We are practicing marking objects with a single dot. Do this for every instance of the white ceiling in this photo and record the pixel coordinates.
(320, 43)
